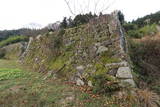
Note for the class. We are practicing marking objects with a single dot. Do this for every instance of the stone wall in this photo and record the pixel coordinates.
(78, 54)
(14, 51)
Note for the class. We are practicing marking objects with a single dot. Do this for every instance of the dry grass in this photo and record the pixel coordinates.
(145, 54)
(149, 37)
(148, 98)
(29, 89)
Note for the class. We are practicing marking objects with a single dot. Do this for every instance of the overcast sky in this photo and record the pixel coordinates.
(18, 13)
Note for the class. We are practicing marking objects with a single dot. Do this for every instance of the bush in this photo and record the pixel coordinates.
(137, 98)
(147, 98)
(145, 56)
(135, 34)
(58, 39)
(104, 83)
(13, 39)
(121, 17)
(130, 26)
(149, 29)
(2, 53)
(132, 30)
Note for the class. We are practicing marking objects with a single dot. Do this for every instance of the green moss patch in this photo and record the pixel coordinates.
(6, 74)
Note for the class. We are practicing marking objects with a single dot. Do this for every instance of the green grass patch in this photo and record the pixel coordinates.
(6, 74)
(13, 39)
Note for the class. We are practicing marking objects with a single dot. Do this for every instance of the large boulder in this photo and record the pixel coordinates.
(120, 64)
(14, 51)
(124, 73)
(102, 49)
(79, 82)
(126, 77)
(128, 82)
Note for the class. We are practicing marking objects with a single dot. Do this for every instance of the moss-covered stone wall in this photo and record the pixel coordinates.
(81, 53)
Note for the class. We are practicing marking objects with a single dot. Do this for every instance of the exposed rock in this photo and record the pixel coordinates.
(79, 82)
(89, 65)
(109, 42)
(14, 51)
(125, 76)
(112, 72)
(158, 28)
(101, 49)
(27, 49)
(98, 44)
(82, 47)
(50, 33)
(128, 82)
(39, 37)
(68, 98)
(92, 51)
(124, 73)
(124, 63)
(50, 74)
(90, 83)
(106, 43)
(80, 70)
(120, 64)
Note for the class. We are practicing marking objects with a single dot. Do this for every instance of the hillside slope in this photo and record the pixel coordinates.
(147, 60)
(22, 88)
(84, 66)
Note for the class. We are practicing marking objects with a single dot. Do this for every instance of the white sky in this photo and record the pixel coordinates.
(17, 13)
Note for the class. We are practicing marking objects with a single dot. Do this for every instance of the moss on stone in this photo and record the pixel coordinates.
(75, 46)
(100, 69)
(107, 57)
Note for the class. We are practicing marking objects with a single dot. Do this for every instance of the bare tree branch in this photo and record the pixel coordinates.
(86, 6)
(95, 7)
(69, 7)
(108, 6)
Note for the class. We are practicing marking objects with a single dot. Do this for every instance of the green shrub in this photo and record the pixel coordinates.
(138, 33)
(130, 26)
(2, 53)
(13, 39)
(135, 34)
(149, 29)
(104, 83)
(58, 39)
(145, 57)
(156, 88)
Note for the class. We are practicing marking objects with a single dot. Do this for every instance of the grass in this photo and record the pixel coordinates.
(135, 32)
(13, 39)
(22, 88)
(10, 64)
(149, 29)
(7, 74)
(145, 56)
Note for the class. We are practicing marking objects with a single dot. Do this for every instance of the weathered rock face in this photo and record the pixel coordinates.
(124, 73)
(101, 49)
(27, 48)
(126, 77)
(14, 51)
(80, 53)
